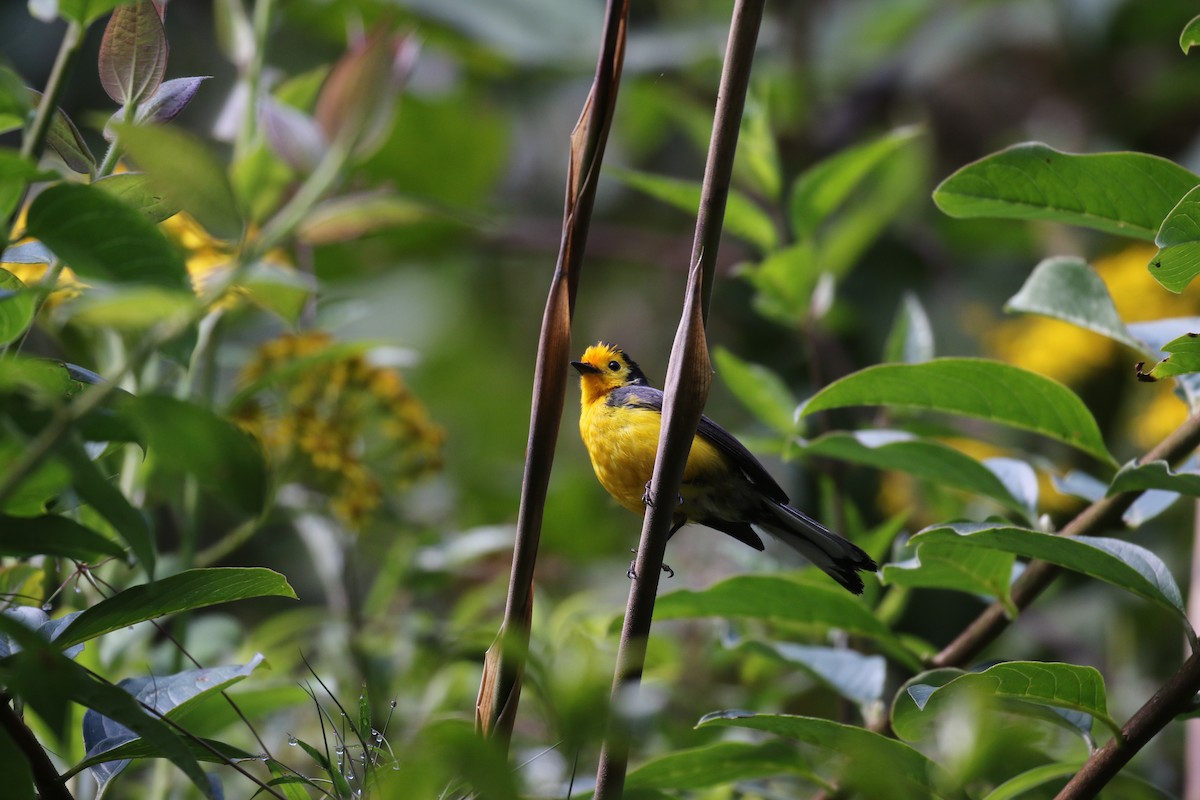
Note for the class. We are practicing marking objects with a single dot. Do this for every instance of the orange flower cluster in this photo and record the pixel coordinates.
(336, 424)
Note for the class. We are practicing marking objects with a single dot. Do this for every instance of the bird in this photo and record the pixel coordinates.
(724, 486)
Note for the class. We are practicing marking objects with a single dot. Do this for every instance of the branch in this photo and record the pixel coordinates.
(1172, 698)
(49, 783)
(685, 391)
(1093, 520)
(504, 665)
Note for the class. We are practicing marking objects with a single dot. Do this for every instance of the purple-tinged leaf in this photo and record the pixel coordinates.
(64, 138)
(164, 105)
(133, 53)
(293, 135)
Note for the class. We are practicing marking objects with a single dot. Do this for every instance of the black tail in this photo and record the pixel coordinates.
(840, 558)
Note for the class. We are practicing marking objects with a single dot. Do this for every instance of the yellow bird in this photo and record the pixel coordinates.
(724, 485)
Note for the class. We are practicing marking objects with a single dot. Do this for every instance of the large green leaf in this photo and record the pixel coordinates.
(987, 390)
(1135, 477)
(196, 588)
(720, 763)
(26, 537)
(188, 437)
(957, 567)
(743, 218)
(759, 389)
(1114, 561)
(772, 597)
(866, 762)
(1069, 289)
(134, 189)
(1066, 686)
(183, 169)
(101, 237)
(823, 187)
(1178, 258)
(922, 458)
(1123, 786)
(1035, 182)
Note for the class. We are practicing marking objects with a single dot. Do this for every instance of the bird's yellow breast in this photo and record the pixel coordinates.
(622, 442)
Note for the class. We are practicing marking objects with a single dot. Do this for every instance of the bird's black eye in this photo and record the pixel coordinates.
(615, 366)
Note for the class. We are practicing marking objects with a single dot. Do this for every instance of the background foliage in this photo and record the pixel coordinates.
(289, 332)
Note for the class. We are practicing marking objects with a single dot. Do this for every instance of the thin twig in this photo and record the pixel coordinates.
(685, 391)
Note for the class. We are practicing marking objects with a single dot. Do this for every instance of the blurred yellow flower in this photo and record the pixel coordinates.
(337, 424)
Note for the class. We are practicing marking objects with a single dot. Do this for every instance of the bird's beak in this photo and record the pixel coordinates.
(585, 368)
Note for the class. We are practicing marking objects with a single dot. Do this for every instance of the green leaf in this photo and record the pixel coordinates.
(1190, 35)
(1178, 258)
(349, 217)
(1066, 686)
(132, 309)
(15, 172)
(109, 743)
(720, 763)
(195, 588)
(1120, 563)
(922, 458)
(133, 53)
(48, 681)
(15, 105)
(16, 307)
(181, 167)
(95, 490)
(102, 237)
(756, 161)
(826, 185)
(1034, 182)
(26, 537)
(785, 280)
(1069, 289)
(64, 138)
(911, 339)
(1135, 477)
(278, 288)
(759, 389)
(971, 387)
(188, 437)
(770, 597)
(1019, 785)
(205, 750)
(855, 676)
(134, 189)
(43, 485)
(743, 218)
(1183, 359)
(959, 568)
(919, 703)
(865, 761)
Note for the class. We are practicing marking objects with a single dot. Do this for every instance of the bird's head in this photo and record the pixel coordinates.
(605, 367)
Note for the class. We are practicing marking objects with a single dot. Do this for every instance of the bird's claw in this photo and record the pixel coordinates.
(648, 501)
(632, 573)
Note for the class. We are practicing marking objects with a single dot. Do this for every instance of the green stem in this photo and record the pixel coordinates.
(254, 69)
(34, 143)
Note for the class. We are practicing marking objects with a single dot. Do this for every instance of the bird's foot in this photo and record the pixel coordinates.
(648, 501)
(632, 572)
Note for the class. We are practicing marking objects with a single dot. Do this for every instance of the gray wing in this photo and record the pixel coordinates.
(650, 398)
